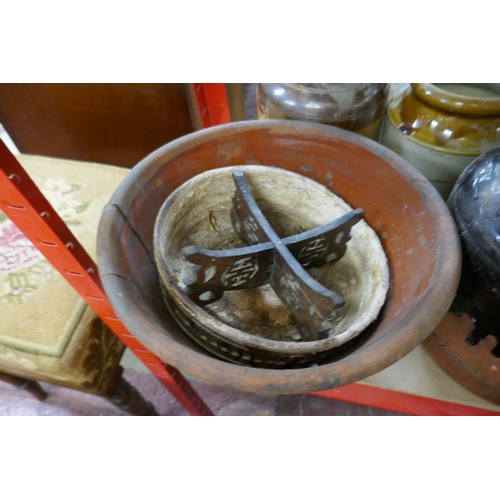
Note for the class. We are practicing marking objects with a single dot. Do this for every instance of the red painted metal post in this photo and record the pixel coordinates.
(212, 103)
(26, 206)
(400, 401)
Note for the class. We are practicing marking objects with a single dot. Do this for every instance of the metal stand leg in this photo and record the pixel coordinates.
(23, 202)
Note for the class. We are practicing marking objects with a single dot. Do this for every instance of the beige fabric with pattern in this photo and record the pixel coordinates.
(47, 332)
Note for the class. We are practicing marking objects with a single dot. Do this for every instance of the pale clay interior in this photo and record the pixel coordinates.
(200, 215)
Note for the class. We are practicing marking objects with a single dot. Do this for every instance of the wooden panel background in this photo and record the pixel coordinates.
(111, 123)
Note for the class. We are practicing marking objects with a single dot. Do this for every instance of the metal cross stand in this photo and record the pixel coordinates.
(25, 205)
(282, 263)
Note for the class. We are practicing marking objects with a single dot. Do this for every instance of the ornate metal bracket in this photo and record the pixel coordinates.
(270, 259)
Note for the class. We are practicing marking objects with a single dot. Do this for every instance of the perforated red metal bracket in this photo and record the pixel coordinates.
(212, 103)
(27, 207)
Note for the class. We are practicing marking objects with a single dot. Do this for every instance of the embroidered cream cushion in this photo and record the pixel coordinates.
(47, 332)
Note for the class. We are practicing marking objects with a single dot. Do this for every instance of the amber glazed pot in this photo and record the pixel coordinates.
(441, 128)
(412, 221)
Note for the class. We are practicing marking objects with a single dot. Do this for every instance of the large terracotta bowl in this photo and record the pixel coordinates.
(410, 218)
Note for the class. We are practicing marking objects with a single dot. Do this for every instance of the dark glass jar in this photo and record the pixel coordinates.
(475, 205)
(359, 107)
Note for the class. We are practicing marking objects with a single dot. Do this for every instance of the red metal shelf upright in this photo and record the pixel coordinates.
(212, 103)
(26, 206)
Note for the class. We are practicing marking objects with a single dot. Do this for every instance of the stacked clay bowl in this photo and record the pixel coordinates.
(252, 326)
(410, 219)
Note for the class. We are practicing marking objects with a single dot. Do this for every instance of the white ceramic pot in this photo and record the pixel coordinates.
(441, 128)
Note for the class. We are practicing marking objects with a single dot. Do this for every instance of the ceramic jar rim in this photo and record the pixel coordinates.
(458, 103)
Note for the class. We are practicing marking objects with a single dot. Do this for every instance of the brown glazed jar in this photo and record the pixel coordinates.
(358, 107)
(440, 128)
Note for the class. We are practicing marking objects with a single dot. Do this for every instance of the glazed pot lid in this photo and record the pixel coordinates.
(447, 100)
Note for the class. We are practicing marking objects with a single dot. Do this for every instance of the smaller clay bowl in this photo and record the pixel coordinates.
(252, 326)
